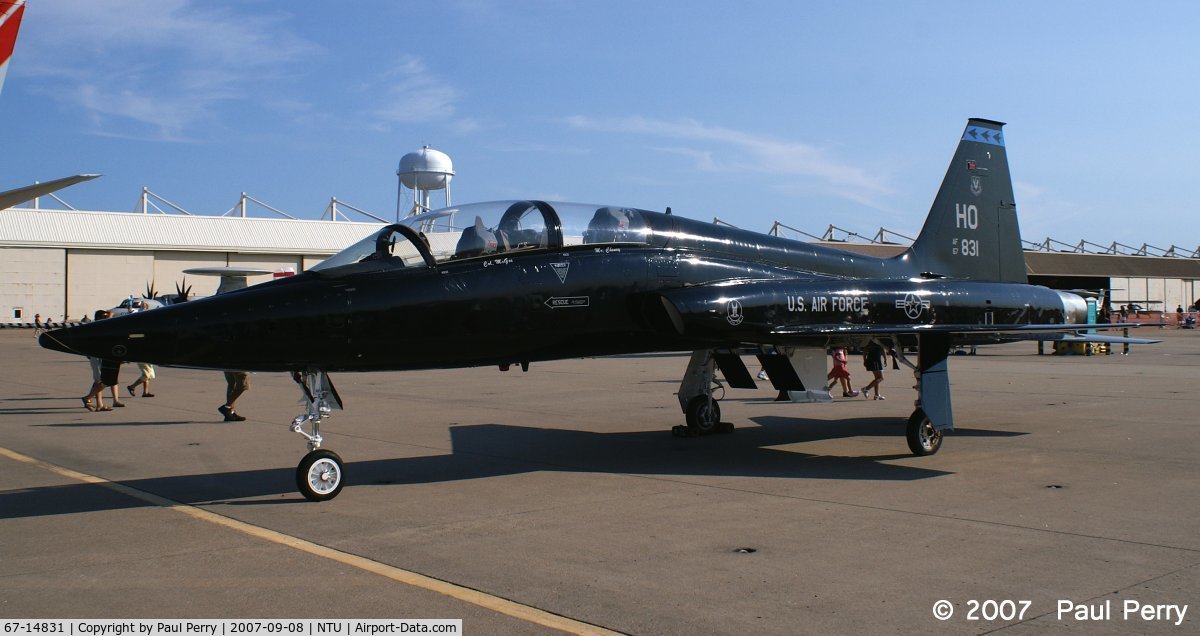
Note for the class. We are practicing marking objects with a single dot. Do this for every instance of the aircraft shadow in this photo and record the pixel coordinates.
(111, 424)
(28, 410)
(493, 450)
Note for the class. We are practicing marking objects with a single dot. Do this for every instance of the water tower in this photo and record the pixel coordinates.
(422, 172)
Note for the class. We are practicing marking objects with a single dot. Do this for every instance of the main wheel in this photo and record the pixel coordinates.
(703, 414)
(320, 475)
(923, 438)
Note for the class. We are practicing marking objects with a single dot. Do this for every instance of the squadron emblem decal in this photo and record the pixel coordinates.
(913, 305)
(976, 185)
(733, 313)
(561, 269)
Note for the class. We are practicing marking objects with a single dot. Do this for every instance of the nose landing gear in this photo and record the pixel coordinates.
(321, 473)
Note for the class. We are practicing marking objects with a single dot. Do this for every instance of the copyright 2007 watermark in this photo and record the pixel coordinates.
(943, 610)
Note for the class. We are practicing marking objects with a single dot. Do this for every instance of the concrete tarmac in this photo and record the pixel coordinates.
(562, 491)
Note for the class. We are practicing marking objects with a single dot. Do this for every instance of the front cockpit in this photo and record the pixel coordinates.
(488, 229)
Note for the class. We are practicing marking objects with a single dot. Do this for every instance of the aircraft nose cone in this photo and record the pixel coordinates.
(58, 340)
(97, 340)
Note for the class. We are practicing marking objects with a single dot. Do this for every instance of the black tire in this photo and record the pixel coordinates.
(703, 414)
(923, 438)
(320, 475)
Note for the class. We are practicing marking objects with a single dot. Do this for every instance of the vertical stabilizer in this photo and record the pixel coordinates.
(10, 20)
(972, 230)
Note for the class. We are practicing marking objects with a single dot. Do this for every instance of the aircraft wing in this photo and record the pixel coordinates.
(17, 196)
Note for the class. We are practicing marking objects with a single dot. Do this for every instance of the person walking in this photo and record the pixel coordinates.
(873, 359)
(840, 374)
(236, 383)
(105, 373)
(147, 374)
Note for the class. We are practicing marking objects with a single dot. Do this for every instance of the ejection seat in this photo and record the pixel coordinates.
(476, 240)
(612, 225)
(513, 235)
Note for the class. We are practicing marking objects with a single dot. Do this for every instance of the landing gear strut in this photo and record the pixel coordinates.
(701, 410)
(933, 396)
(321, 474)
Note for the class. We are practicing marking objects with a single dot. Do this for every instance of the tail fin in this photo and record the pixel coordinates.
(971, 231)
(10, 20)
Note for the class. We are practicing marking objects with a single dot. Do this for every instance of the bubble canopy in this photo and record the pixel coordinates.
(487, 229)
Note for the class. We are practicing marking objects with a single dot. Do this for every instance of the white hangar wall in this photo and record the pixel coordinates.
(65, 264)
(1171, 292)
(31, 282)
(69, 283)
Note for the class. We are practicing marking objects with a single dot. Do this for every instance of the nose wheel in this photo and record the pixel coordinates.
(320, 475)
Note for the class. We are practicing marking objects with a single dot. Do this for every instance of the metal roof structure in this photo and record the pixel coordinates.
(1041, 259)
(1038, 263)
(25, 227)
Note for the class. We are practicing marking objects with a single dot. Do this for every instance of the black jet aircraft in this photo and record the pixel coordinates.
(526, 281)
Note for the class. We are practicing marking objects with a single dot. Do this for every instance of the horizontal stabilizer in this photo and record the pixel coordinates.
(1091, 337)
(1044, 332)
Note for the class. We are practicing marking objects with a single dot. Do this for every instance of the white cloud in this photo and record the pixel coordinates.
(730, 151)
(154, 68)
(414, 95)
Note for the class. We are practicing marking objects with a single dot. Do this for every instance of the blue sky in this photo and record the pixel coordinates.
(811, 113)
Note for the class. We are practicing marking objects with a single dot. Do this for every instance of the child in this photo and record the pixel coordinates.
(839, 373)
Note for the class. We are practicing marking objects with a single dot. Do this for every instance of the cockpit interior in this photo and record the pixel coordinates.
(487, 229)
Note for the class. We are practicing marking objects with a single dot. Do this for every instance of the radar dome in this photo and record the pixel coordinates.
(426, 169)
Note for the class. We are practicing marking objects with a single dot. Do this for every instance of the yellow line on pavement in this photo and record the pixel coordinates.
(475, 597)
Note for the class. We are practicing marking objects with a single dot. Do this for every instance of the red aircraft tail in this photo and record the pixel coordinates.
(10, 20)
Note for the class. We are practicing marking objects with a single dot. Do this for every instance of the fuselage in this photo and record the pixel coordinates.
(678, 285)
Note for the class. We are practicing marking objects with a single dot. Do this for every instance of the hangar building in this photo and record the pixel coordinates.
(64, 264)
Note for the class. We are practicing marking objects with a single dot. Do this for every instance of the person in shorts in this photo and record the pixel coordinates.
(105, 373)
(236, 383)
(873, 360)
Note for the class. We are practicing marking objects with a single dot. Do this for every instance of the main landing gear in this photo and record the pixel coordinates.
(933, 390)
(923, 438)
(321, 474)
(701, 410)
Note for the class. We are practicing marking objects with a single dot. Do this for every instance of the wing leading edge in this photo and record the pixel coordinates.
(17, 196)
